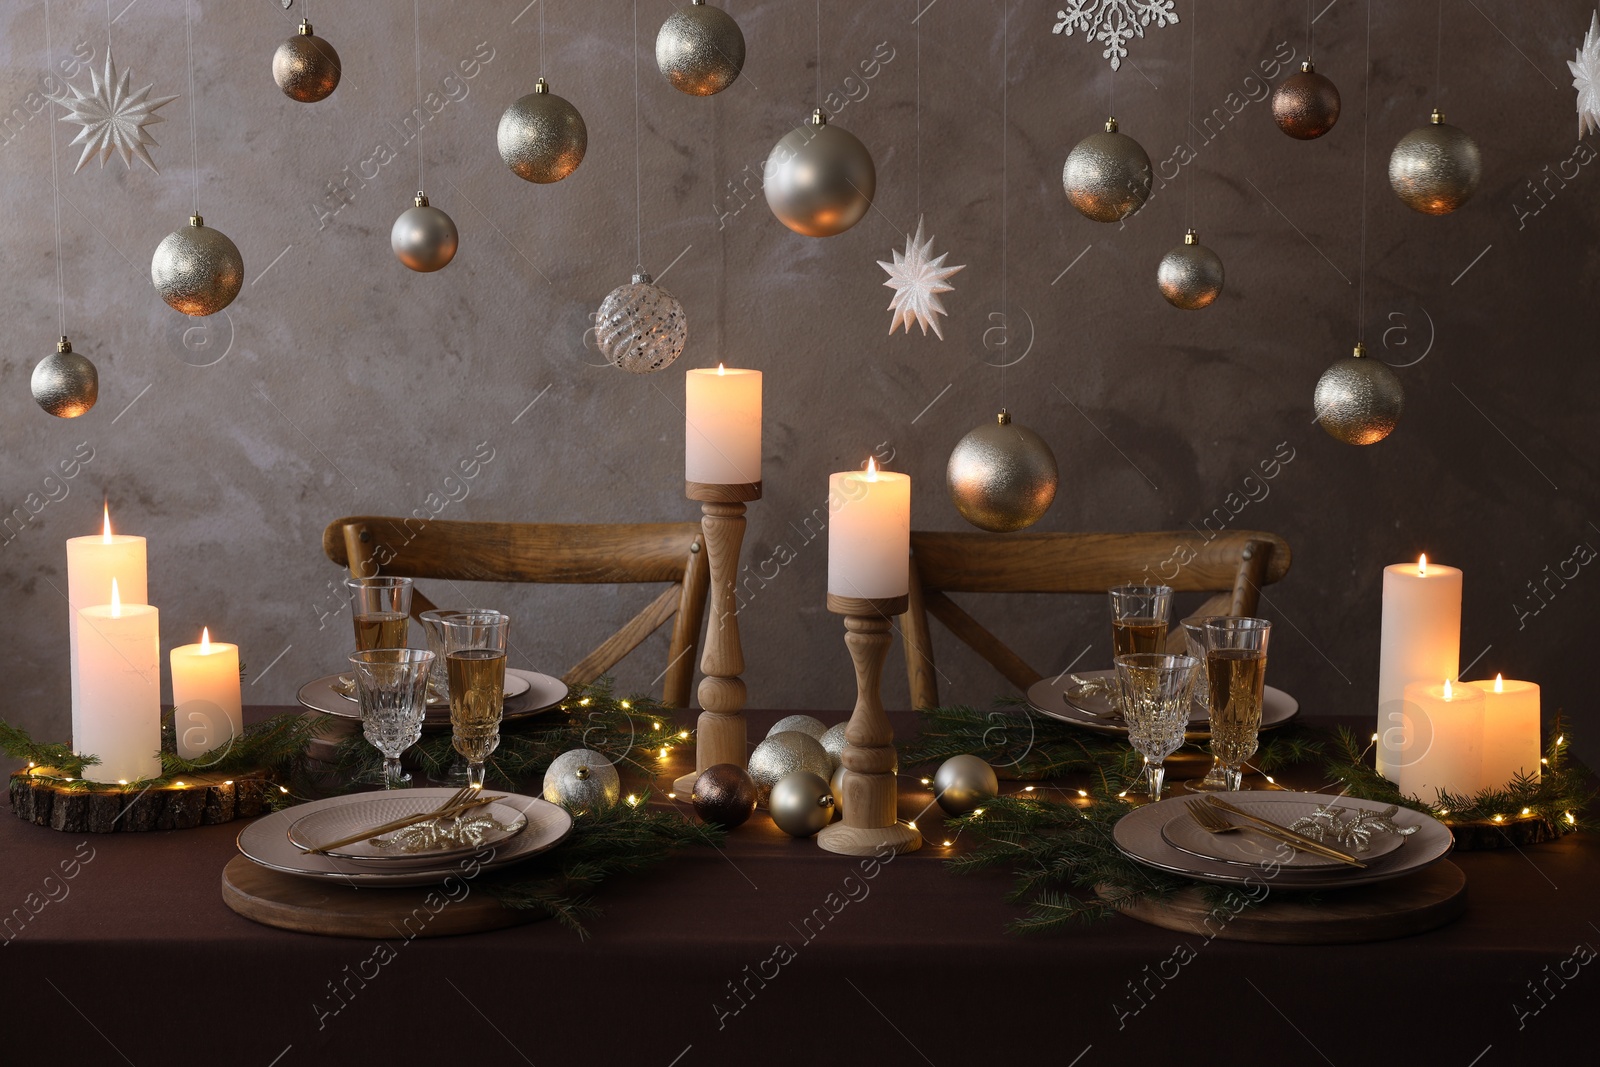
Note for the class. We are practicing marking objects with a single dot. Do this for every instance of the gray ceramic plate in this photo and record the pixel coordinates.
(1247, 848)
(339, 821)
(1063, 699)
(542, 694)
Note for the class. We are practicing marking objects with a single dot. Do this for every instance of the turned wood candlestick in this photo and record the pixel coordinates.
(870, 799)
(720, 730)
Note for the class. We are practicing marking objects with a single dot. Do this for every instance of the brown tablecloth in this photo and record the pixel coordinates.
(136, 959)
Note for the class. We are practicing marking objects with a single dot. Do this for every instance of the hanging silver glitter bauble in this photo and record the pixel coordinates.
(962, 783)
(700, 49)
(819, 179)
(641, 327)
(306, 67)
(1359, 399)
(65, 382)
(1305, 105)
(1190, 276)
(724, 795)
(783, 754)
(424, 238)
(1002, 476)
(582, 779)
(1435, 168)
(197, 270)
(833, 742)
(801, 803)
(542, 138)
(1107, 176)
(806, 724)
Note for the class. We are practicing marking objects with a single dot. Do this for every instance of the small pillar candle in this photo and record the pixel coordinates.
(869, 533)
(119, 674)
(722, 426)
(1443, 740)
(206, 703)
(1511, 738)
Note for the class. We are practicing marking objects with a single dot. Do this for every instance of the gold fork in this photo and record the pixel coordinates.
(1213, 821)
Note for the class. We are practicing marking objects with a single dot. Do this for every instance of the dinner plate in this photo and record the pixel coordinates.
(266, 842)
(543, 693)
(515, 686)
(1250, 848)
(1138, 835)
(335, 823)
(1055, 698)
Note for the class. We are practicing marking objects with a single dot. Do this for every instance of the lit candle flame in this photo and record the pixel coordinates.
(721, 369)
(105, 536)
(872, 469)
(1422, 565)
(205, 640)
(116, 601)
(1447, 689)
(1499, 684)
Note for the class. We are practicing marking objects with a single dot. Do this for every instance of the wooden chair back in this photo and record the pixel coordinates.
(672, 553)
(1232, 565)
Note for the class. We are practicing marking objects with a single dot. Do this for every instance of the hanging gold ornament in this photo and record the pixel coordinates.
(700, 49)
(1359, 399)
(1002, 476)
(1435, 168)
(423, 237)
(306, 67)
(197, 270)
(819, 179)
(542, 137)
(65, 382)
(1305, 105)
(1190, 276)
(1107, 175)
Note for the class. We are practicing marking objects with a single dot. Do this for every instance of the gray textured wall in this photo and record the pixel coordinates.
(340, 382)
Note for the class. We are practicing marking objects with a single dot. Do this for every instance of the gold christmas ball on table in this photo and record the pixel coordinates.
(1107, 175)
(1002, 476)
(1435, 168)
(306, 67)
(700, 49)
(1359, 399)
(1305, 105)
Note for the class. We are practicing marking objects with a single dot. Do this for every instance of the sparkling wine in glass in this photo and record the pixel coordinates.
(1155, 690)
(381, 609)
(1236, 674)
(475, 665)
(381, 629)
(1194, 631)
(1132, 636)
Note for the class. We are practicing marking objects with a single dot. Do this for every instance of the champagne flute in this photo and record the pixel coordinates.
(381, 610)
(475, 665)
(1194, 632)
(392, 686)
(1155, 691)
(1139, 615)
(1236, 673)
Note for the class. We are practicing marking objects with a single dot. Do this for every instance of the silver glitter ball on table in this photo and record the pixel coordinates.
(834, 742)
(65, 382)
(641, 327)
(582, 779)
(819, 179)
(700, 49)
(542, 138)
(424, 238)
(962, 783)
(806, 724)
(1435, 168)
(197, 270)
(1305, 105)
(1359, 399)
(783, 754)
(1107, 175)
(801, 803)
(1190, 276)
(306, 67)
(1002, 476)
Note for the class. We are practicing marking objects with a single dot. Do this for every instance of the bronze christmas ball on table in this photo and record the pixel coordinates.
(724, 795)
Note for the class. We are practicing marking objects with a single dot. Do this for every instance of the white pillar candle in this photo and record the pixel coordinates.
(1420, 642)
(1444, 740)
(207, 708)
(92, 563)
(869, 533)
(119, 672)
(1511, 738)
(722, 432)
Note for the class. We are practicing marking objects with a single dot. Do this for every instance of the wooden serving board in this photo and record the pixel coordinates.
(202, 800)
(1423, 901)
(335, 910)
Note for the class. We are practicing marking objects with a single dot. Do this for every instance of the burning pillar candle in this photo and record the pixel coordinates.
(206, 705)
(722, 432)
(869, 533)
(1511, 739)
(92, 563)
(1421, 642)
(1443, 740)
(119, 675)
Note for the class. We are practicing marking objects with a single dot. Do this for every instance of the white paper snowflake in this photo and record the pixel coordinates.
(1115, 22)
(1586, 79)
(113, 117)
(917, 281)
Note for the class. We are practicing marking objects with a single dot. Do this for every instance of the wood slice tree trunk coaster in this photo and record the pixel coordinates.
(1513, 833)
(199, 800)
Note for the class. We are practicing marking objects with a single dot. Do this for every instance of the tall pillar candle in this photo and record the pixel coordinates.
(119, 678)
(869, 533)
(206, 704)
(1420, 642)
(1511, 737)
(722, 428)
(1444, 740)
(92, 563)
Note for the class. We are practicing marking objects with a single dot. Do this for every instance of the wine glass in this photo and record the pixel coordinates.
(475, 665)
(1139, 615)
(1155, 689)
(1236, 674)
(1194, 632)
(392, 686)
(381, 610)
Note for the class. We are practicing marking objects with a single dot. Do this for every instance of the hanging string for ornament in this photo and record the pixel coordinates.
(196, 269)
(541, 136)
(1306, 105)
(1191, 275)
(700, 49)
(1107, 175)
(1436, 168)
(423, 238)
(306, 67)
(114, 118)
(1585, 70)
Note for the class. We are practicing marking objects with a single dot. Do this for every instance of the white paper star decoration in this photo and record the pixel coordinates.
(1586, 79)
(113, 117)
(917, 281)
(1115, 22)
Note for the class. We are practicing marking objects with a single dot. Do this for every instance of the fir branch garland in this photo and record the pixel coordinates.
(18, 744)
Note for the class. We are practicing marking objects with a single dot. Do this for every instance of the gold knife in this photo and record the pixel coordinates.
(1283, 833)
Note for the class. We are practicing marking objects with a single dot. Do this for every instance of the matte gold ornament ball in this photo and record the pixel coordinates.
(724, 795)
(700, 49)
(197, 270)
(1107, 175)
(1359, 399)
(423, 237)
(801, 803)
(306, 67)
(1190, 276)
(1305, 105)
(1002, 476)
(582, 779)
(1435, 168)
(962, 783)
(542, 137)
(65, 382)
(641, 327)
(819, 179)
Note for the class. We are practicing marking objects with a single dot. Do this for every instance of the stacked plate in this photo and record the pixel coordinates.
(1166, 836)
(1084, 700)
(519, 827)
(527, 693)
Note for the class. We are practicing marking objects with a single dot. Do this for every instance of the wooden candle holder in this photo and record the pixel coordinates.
(871, 796)
(720, 730)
